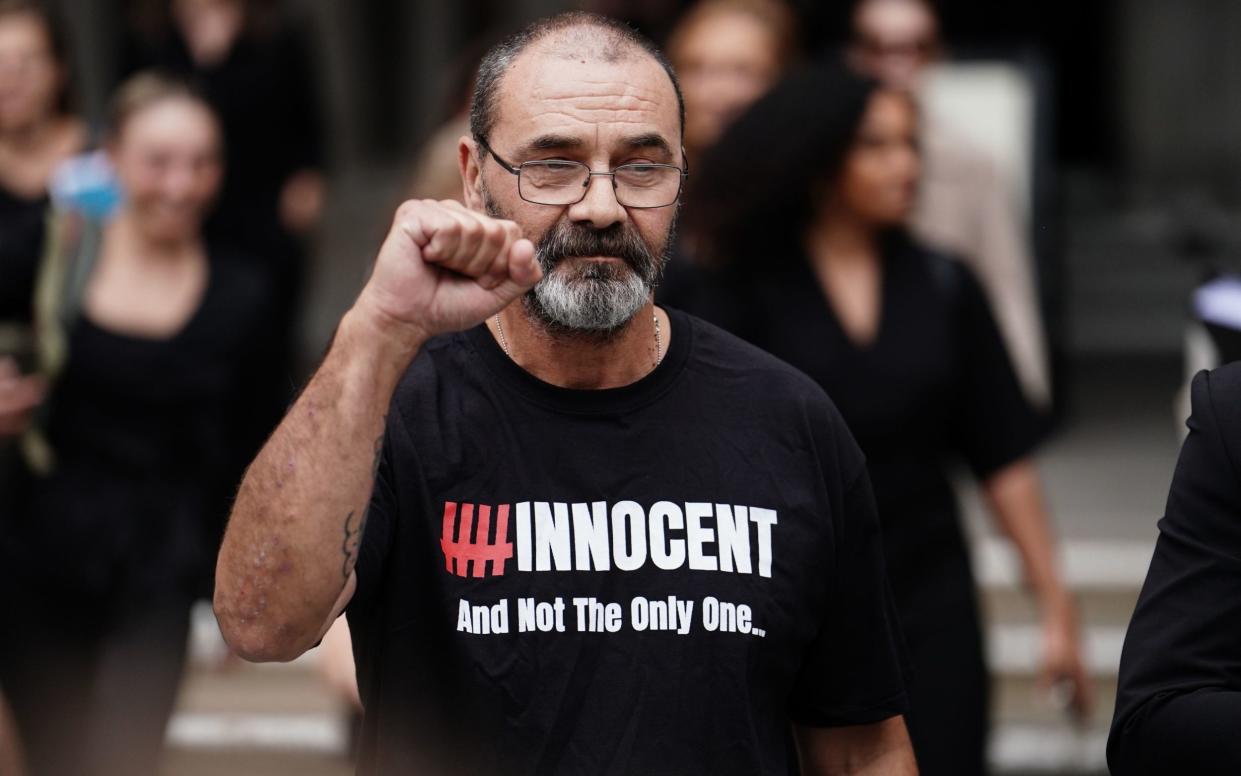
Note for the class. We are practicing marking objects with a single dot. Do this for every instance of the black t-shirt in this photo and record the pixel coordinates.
(1179, 696)
(649, 579)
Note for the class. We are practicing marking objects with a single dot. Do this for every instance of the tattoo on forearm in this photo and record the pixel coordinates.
(352, 543)
(379, 450)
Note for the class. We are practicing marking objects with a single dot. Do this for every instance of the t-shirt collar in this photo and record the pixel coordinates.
(605, 401)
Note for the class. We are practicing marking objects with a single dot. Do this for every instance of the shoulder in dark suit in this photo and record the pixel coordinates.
(1178, 708)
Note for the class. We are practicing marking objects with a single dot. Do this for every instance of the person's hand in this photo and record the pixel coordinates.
(1064, 673)
(18, 396)
(444, 268)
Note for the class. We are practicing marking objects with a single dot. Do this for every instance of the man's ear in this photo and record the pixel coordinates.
(471, 173)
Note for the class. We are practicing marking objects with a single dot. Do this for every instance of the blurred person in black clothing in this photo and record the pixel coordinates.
(802, 207)
(38, 131)
(968, 204)
(727, 53)
(1179, 696)
(109, 542)
(255, 66)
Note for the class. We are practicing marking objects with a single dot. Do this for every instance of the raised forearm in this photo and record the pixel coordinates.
(294, 533)
(286, 564)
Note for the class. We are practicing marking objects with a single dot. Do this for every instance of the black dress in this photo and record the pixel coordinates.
(101, 560)
(21, 244)
(935, 386)
(1179, 695)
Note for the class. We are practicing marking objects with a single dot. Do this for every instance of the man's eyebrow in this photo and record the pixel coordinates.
(552, 143)
(652, 140)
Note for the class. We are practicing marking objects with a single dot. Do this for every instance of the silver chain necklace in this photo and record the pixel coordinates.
(659, 340)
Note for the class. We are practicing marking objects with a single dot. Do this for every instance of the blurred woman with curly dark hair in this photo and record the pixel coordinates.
(800, 211)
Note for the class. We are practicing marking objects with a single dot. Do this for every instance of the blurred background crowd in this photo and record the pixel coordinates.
(196, 188)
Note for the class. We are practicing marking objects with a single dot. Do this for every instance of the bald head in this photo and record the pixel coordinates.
(575, 36)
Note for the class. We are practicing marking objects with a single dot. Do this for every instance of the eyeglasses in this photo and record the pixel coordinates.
(563, 182)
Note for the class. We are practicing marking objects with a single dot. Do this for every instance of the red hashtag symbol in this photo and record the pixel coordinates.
(462, 546)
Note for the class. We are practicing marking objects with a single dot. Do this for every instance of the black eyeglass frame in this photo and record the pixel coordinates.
(515, 169)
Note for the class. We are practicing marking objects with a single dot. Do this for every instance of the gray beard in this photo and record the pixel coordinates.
(589, 299)
(596, 299)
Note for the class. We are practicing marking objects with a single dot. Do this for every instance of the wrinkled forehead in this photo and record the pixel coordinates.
(597, 97)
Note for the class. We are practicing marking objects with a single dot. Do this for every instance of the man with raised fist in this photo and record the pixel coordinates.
(572, 532)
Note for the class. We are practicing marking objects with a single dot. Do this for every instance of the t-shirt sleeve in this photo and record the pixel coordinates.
(1179, 695)
(992, 421)
(855, 670)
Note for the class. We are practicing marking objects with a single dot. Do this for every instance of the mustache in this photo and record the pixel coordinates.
(569, 240)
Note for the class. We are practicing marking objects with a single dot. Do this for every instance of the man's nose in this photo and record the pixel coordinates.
(599, 207)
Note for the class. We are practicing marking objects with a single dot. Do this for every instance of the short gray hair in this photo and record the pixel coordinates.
(619, 38)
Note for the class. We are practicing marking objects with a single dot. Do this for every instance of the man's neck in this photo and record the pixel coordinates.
(579, 361)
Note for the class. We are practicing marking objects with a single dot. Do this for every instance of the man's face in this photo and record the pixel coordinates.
(726, 60)
(600, 260)
(894, 41)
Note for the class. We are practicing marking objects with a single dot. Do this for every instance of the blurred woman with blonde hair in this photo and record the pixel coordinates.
(144, 327)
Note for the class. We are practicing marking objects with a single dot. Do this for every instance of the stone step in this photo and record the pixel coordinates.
(242, 744)
(278, 746)
(1025, 750)
(1006, 606)
(1088, 565)
(1019, 700)
(1013, 650)
(265, 715)
(321, 732)
(237, 687)
(251, 761)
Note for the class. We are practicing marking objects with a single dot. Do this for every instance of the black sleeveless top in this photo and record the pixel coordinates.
(144, 452)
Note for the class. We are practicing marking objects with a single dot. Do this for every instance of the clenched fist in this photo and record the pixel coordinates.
(445, 268)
